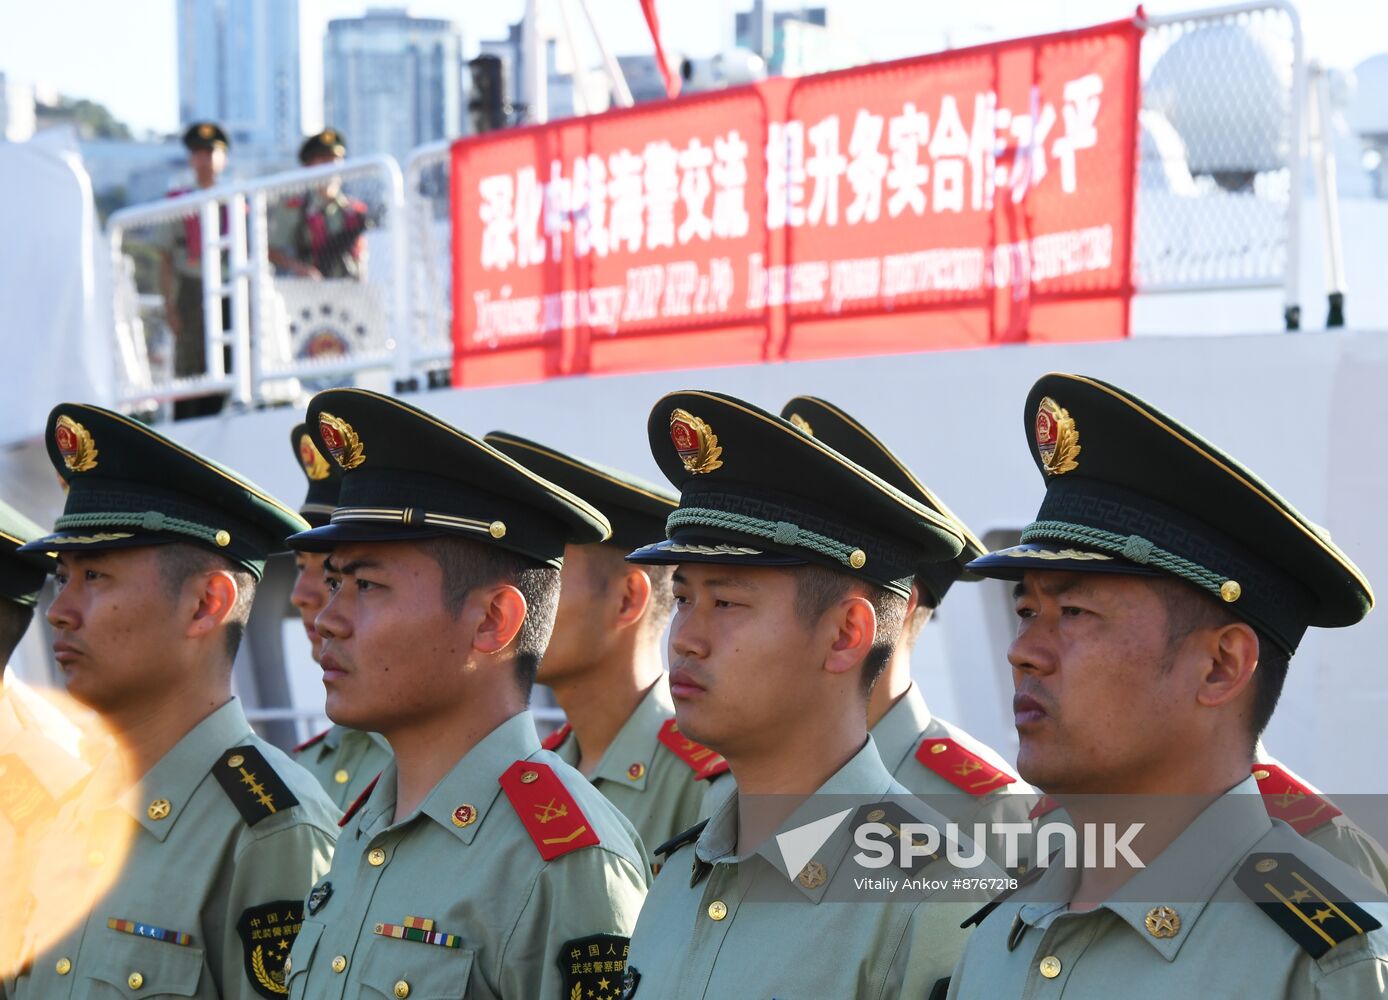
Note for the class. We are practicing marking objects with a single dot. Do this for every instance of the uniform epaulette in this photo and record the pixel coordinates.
(556, 739)
(1292, 801)
(252, 784)
(704, 762)
(680, 839)
(961, 767)
(360, 801)
(895, 816)
(981, 914)
(312, 741)
(547, 809)
(1312, 911)
(1045, 804)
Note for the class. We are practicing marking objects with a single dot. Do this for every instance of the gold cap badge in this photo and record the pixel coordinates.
(801, 424)
(343, 443)
(206, 131)
(315, 465)
(75, 444)
(695, 442)
(1057, 439)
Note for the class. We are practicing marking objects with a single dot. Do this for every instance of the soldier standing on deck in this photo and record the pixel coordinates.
(603, 660)
(479, 865)
(1160, 595)
(320, 234)
(158, 554)
(343, 760)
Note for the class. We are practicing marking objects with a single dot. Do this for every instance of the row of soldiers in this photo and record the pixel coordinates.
(683, 834)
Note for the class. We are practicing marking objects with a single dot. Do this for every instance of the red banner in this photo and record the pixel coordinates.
(973, 197)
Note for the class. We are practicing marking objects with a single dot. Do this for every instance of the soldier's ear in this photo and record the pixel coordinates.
(635, 596)
(1229, 655)
(854, 624)
(503, 611)
(217, 597)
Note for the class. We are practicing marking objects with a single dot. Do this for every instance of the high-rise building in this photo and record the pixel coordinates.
(16, 110)
(238, 64)
(392, 82)
(762, 30)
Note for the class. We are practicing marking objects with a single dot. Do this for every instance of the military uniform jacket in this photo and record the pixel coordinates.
(660, 791)
(41, 763)
(1318, 820)
(718, 925)
(228, 835)
(954, 773)
(458, 900)
(344, 761)
(1219, 942)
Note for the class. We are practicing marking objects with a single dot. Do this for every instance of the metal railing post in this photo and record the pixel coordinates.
(242, 344)
(1295, 164)
(211, 261)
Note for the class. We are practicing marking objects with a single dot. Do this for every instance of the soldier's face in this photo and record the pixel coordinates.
(1099, 706)
(208, 164)
(310, 595)
(391, 652)
(113, 621)
(589, 596)
(743, 663)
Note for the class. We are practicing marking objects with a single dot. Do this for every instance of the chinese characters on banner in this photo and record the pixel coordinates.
(973, 197)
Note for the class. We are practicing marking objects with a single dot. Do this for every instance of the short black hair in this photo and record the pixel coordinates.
(1189, 609)
(467, 565)
(179, 562)
(14, 622)
(818, 588)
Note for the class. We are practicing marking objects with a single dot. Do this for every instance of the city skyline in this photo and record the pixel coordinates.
(125, 56)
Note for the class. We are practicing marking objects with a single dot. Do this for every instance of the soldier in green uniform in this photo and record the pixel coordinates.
(793, 567)
(343, 760)
(603, 660)
(1160, 594)
(960, 776)
(479, 865)
(158, 553)
(180, 275)
(320, 234)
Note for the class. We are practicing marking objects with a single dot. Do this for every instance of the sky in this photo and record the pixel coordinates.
(123, 54)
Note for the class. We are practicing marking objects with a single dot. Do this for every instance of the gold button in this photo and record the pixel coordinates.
(1266, 865)
(96, 859)
(876, 815)
(1050, 966)
(339, 963)
(223, 539)
(1261, 774)
(235, 760)
(528, 776)
(1230, 591)
(938, 748)
(287, 965)
(497, 529)
(857, 559)
(135, 981)
(341, 777)
(62, 967)
(402, 989)
(158, 809)
(717, 910)
(376, 857)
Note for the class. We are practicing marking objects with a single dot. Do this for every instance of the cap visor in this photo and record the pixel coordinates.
(1011, 563)
(89, 540)
(709, 550)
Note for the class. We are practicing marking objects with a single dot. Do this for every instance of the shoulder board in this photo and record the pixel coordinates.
(894, 816)
(680, 839)
(1045, 804)
(556, 739)
(704, 762)
(980, 915)
(360, 801)
(312, 741)
(252, 784)
(961, 767)
(547, 809)
(1293, 802)
(1313, 912)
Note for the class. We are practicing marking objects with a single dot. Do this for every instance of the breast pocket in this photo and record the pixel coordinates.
(397, 969)
(137, 967)
(301, 957)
